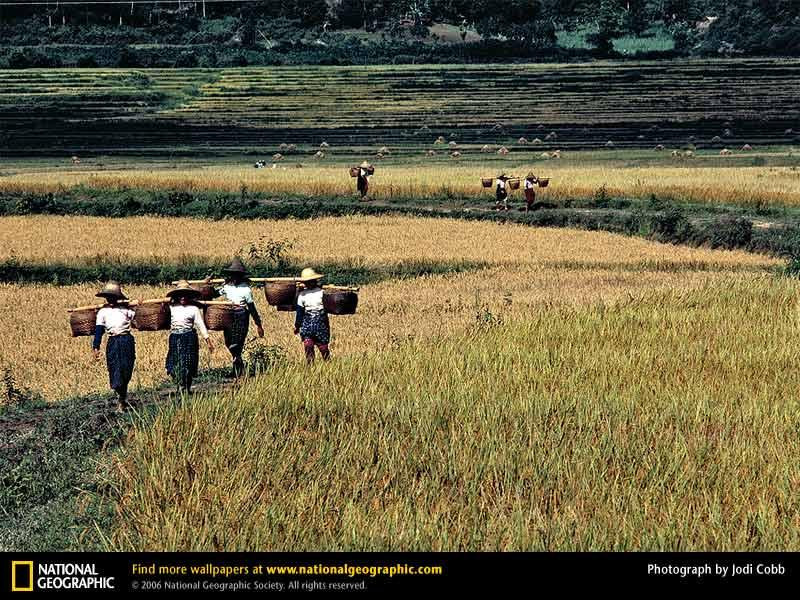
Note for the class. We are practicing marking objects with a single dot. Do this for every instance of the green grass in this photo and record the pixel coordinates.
(664, 423)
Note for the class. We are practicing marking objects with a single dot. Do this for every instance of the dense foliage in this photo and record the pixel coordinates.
(319, 31)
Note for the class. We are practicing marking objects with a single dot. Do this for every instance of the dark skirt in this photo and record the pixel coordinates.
(120, 357)
(183, 357)
(363, 185)
(236, 335)
(315, 326)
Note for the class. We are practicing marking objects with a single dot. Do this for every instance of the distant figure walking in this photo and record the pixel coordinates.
(530, 191)
(501, 192)
(363, 181)
(183, 356)
(116, 319)
(311, 321)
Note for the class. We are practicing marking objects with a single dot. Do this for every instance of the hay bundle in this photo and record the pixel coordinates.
(676, 153)
(725, 152)
(716, 139)
(384, 150)
(76, 160)
(555, 154)
(486, 148)
(439, 140)
(430, 153)
(277, 156)
(319, 154)
(379, 155)
(283, 147)
(324, 145)
(291, 148)
(727, 133)
(789, 131)
(498, 127)
(453, 145)
(455, 154)
(551, 136)
(660, 148)
(609, 144)
(747, 148)
(536, 141)
(502, 151)
(689, 154)
(522, 140)
(544, 155)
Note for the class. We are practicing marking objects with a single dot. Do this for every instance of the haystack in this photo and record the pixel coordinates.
(453, 145)
(659, 148)
(536, 141)
(455, 154)
(716, 139)
(609, 144)
(747, 148)
(522, 140)
(551, 136)
(439, 140)
(503, 150)
(277, 156)
(319, 154)
(725, 152)
(324, 145)
(283, 147)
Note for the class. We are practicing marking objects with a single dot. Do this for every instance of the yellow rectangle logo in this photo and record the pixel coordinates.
(19, 565)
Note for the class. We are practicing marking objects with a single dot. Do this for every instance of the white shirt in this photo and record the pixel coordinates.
(238, 294)
(363, 172)
(184, 318)
(529, 184)
(311, 300)
(116, 320)
(501, 183)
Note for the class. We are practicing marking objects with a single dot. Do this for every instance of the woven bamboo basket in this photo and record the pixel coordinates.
(207, 292)
(543, 182)
(219, 315)
(152, 315)
(285, 307)
(82, 320)
(281, 291)
(339, 301)
(513, 184)
(486, 182)
(353, 171)
(371, 170)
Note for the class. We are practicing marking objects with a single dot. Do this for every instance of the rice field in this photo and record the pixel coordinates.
(438, 179)
(197, 110)
(526, 269)
(668, 423)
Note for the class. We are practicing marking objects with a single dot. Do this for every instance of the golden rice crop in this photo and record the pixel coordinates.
(770, 185)
(362, 240)
(532, 267)
(665, 424)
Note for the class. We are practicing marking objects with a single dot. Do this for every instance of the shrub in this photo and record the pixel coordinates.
(731, 232)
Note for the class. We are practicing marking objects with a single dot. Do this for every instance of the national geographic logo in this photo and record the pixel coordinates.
(21, 575)
(27, 577)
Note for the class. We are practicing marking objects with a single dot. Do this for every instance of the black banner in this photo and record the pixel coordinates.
(149, 573)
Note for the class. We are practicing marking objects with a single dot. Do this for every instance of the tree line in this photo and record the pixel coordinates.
(697, 26)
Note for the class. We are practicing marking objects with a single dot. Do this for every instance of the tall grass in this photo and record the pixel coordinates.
(669, 423)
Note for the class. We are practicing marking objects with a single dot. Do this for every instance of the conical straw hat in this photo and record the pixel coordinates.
(309, 274)
(183, 289)
(236, 266)
(111, 290)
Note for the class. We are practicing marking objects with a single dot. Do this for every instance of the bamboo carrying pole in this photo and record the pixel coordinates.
(131, 303)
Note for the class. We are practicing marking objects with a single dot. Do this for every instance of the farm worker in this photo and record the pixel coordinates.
(311, 321)
(363, 182)
(115, 320)
(237, 290)
(501, 191)
(186, 320)
(530, 192)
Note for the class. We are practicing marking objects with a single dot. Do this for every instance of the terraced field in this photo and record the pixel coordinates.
(583, 105)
